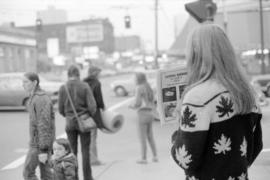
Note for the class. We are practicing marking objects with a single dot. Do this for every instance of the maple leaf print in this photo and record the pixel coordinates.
(231, 178)
(192, 178)
(182, 156)
(223, 145)
(188, 119)
(243, 147)
(242, 177)
(225, 108)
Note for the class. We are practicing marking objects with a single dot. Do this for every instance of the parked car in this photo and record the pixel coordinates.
(263, 81)
(260, 95)
(12, 94)
(127, 86)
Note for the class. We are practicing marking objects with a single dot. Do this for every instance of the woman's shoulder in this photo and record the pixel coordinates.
(41, 96)
(204, 92)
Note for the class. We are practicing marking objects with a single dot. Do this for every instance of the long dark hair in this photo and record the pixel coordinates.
(32, 76)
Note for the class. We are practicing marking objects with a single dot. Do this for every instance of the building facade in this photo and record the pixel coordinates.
(75, 39)
(52, 15)
(128, 43)
(17, 50)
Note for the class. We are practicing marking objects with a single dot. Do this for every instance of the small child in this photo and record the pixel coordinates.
(64, 162)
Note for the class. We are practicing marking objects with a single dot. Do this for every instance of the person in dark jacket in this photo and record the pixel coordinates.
(219, 134)
(84, 102)
(93, 81)
(64, 162)
(42, 129)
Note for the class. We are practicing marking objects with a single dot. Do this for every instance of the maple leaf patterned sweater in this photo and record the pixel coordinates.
(213, 141)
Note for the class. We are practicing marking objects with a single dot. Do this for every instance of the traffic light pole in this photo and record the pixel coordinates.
(156, 34)
(262, 39)
(225, 16)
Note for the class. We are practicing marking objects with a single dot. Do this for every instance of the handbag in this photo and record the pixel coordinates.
(85, 121)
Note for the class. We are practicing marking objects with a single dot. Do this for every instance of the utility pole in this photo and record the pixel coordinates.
(262, 39)
(156, 34)
(225, 16)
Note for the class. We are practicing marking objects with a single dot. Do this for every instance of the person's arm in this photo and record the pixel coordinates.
(98, 96)
(69, 171)
(138, 98)
(190, 139)
(61, 100)
(45, 123)
(257, 139)
(90, 100)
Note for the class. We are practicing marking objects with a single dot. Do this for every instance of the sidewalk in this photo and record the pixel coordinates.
(120, 151)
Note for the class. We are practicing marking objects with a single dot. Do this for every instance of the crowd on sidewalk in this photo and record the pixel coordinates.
(219, 134)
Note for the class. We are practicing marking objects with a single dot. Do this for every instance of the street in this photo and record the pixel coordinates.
(119, 151)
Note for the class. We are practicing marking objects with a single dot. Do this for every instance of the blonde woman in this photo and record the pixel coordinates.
(144, 104)
(220, 132)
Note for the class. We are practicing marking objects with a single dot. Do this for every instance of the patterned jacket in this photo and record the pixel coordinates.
(214, 142)
(65, 168)
(42, 121)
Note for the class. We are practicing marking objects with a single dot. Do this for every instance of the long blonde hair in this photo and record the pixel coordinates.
(210, 55)
(147, 90)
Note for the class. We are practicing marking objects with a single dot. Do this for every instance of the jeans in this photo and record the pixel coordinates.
(85, 144)
(145, 128)
(30, 165)
(93, 146)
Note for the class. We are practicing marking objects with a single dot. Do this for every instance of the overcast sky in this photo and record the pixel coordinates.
(23, 12)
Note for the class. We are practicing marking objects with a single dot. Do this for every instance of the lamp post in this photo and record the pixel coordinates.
(262, 38)
(225, 16)
(38, 31)
(156, 34)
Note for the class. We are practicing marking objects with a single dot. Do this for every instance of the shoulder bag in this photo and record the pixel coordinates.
(85, 121)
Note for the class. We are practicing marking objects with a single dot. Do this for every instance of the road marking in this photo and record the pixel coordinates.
(266, 150)
(21, 160)
(15, 163)
(116, 106)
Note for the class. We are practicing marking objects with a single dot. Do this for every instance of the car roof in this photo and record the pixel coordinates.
(265, 76)
(13, 74)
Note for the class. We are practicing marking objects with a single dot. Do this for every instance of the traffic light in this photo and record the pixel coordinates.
(38, 24)
(127, 22)
(202, 10)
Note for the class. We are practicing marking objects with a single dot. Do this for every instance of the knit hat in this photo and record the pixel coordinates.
(93, 70)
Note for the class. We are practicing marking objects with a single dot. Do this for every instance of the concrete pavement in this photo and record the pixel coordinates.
(120, 151)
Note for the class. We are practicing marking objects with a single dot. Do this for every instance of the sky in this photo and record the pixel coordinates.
(23, 12)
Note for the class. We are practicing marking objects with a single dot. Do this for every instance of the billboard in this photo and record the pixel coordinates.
(84, 33)
(52, 47)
